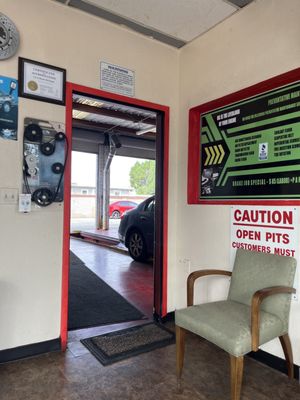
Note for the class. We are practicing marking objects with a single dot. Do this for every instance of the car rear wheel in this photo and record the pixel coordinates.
(116, 214)
(137, 246)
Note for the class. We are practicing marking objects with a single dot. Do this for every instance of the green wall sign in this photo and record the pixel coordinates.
(251, 149)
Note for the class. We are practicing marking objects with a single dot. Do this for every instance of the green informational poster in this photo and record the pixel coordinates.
(251, 149)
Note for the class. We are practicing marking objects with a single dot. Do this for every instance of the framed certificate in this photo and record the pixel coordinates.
(43, 82)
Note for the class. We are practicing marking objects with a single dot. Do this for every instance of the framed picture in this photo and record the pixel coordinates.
(43, 82)
(244, 147)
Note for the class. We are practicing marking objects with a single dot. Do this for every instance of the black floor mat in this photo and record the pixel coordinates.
(92, 302)
(115, 346)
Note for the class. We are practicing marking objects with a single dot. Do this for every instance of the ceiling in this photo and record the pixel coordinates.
(174, 22)
(95, 121)
(112, 118)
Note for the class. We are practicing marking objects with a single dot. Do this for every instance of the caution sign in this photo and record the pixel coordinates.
(250, 149)
(265, 229)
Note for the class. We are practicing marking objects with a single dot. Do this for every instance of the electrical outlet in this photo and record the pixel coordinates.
(8, 196)
(24, 202)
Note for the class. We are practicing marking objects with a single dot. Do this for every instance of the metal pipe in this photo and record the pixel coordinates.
(106, 186)
(99, 189)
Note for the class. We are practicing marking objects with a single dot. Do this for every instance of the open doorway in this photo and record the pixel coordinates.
(83, 191)
(161, 149)
(132, 180)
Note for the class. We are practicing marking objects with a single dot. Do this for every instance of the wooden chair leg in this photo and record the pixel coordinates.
(180, 344)
(288, 353)
(236, 364)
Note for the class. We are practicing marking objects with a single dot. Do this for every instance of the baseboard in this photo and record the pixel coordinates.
(168, 317)
(29, 350)
(273, 361)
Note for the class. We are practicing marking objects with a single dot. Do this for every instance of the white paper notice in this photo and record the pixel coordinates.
(116, 79)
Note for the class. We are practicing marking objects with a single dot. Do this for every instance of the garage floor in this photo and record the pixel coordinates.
(133, 280)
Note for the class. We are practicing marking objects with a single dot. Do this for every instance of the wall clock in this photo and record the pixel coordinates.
(9, 37)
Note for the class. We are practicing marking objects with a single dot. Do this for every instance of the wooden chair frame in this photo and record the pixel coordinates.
(236, 363)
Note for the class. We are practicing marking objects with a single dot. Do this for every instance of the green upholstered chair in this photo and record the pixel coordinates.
(255, 312)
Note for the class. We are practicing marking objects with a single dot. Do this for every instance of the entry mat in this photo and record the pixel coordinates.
(115, 346)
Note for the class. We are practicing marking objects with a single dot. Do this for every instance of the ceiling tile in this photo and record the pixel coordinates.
(181, 19)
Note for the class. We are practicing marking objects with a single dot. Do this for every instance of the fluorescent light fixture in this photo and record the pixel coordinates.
(79, 114)
(141, 132)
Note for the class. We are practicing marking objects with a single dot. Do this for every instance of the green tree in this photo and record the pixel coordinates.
(142, 177)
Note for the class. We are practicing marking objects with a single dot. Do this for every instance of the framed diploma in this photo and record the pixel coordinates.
(43, 82)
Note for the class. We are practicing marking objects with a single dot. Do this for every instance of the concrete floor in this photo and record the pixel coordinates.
(132, 279)
(76, 374)
(89, 224)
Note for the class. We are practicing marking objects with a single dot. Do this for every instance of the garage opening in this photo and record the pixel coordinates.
(111, 130)
(83, 191)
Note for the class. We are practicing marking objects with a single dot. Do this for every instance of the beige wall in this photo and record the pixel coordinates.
(259, 42)
(31, 245)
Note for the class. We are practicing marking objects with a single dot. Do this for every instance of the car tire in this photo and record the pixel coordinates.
(116, 214)
(6, 107)
(137, 246)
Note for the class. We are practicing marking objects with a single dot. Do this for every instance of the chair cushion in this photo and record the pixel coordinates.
(227, 324)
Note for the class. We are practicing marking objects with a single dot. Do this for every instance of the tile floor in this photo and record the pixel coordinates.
(76, 374)
(149, 376)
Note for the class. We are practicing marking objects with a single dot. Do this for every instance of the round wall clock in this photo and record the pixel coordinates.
(9, 37)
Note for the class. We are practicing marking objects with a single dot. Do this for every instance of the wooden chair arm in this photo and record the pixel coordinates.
(257, 299)
(199, 274)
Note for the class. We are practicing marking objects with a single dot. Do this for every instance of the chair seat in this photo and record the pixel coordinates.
(227, 324)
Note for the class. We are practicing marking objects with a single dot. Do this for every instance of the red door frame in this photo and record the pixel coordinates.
(70, 88)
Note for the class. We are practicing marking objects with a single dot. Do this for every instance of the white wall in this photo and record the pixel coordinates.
(257, 43)
(31, 245)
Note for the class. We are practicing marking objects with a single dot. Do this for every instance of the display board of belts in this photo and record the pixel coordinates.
(45, 151)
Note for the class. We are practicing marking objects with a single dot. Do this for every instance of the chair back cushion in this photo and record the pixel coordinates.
(253, 271)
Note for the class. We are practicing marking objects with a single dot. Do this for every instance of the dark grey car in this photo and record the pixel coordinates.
(136, 230)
